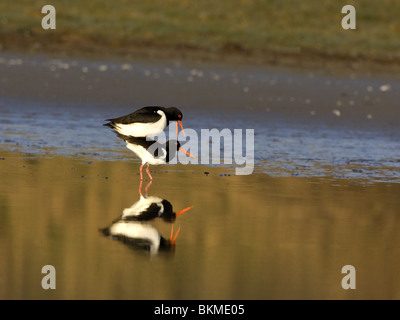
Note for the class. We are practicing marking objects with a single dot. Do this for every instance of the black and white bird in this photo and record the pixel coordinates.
(140, 235)
(153, 152)
(146, 122)
(152, 207)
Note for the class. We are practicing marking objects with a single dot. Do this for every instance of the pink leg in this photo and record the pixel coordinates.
(141, 172)
(140, 188)
(148, 172)
(146, 190)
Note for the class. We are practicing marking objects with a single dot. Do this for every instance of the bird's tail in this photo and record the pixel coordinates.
(109, 124)
(105, 231)
(115, 129)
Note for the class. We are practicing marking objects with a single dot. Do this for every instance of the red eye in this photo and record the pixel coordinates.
(179, 116)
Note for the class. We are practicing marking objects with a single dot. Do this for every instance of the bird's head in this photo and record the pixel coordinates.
(174, 114)
(171, 216)
(174, 145)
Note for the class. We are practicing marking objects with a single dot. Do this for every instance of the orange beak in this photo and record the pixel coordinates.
(177, 128)
(171, 238)
(186, 152)
(183, 211)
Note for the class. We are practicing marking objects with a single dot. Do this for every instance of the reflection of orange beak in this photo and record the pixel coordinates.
(177, 128)
(186, 152)
(183, 211)
(172, 240)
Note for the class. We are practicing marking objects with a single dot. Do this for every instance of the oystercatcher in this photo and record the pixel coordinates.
(151, 207)
(153, 152)
(146, 122)
(140, 235)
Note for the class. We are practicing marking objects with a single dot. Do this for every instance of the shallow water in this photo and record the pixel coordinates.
(246, 237)
(323, 194)
(279, 149)
(305, 124)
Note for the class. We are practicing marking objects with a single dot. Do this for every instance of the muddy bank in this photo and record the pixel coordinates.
(294, 58)
(262, 92)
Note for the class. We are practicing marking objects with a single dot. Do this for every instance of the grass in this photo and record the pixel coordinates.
(247, 26)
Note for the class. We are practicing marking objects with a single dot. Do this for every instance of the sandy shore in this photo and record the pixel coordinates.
(294, 58)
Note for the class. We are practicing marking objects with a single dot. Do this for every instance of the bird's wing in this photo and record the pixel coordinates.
(144, 115)
(155, 148)
(141, 141)
(150, 213)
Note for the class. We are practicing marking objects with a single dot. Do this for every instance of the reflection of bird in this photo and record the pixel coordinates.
(140, 235)
(151, 207)
(146, 122)
(153, 152)
(133, 227)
